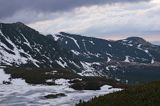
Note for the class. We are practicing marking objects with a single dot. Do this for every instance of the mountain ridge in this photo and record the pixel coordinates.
(23, 46)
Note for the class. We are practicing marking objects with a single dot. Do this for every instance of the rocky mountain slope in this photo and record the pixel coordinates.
(25, 47)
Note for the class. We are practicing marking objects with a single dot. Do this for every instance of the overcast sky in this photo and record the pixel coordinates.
(109, 19)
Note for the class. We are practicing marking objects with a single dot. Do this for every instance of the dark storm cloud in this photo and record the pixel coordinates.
(10, 7)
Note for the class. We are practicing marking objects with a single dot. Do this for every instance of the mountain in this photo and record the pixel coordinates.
(133, 49)
(25, 47)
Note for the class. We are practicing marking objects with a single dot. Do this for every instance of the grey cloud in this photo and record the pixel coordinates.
(10, 7)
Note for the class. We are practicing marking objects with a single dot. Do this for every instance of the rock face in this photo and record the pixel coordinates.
(25, 47)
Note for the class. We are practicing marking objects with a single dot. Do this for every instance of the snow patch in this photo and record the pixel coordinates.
(130, 44)
(139, 46)
(75, 52)
(97, 55)
(107, 68)
(105, 87)
(66, 42)
(51, 73)
(55, 37)
(6, 77)
(127, 59)
(109, 54)
(26, 41)
(97, 63)
(72, 62)
(49, 80)
(146, 51)
(64, 64)
(152, 61)
(109, 59)
(60, 63)
(75, 41)
(88, 69)
(92, 42)
(19, 82)
(109, 45)
(62, 81)
(3, 76)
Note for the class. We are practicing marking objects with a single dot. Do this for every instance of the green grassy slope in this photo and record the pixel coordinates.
(142, 95)
(40, 76)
